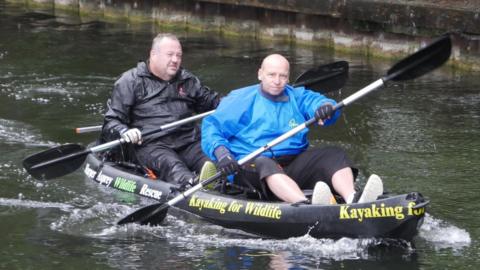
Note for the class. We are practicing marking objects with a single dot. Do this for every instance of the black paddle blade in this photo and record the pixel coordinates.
(422, 61)
(152, 215)
(56, 169)
(325, 78)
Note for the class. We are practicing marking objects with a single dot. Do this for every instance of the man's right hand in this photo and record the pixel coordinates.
(132, 135)
(227, 164)
(226, 161)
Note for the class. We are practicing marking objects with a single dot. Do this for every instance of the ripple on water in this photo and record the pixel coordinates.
(47, 88)
(17, 132)
(33, 204)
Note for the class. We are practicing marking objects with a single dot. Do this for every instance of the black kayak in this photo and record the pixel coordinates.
(391, 216)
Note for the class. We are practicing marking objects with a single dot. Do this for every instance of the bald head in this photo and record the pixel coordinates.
(275, 59)
(273, 74)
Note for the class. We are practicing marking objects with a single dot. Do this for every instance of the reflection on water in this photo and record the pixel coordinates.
(56, 73)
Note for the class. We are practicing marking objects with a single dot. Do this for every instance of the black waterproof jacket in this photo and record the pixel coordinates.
(142, 100)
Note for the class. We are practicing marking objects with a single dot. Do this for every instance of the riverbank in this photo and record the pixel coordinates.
(380, 28)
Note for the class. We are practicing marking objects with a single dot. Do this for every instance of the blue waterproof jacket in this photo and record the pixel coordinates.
(247, 119)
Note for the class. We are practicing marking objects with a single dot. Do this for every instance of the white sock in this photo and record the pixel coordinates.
(350, 197)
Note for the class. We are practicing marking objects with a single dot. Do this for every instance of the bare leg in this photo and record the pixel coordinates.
(342, 182)
(285, 188)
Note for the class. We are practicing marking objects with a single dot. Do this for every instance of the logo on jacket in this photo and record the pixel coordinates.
(292, 123)
(181, 91)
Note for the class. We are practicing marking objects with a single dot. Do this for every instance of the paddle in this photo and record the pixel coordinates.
(323, 79)
(411, 67)
(65, 159)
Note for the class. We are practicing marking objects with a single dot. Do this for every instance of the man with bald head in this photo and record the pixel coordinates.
(250, 117)
(156, 92)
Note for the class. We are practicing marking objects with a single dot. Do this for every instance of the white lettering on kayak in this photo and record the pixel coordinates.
(150, 192)
(101, 178)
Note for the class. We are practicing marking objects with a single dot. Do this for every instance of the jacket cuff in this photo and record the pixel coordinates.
(221, 152)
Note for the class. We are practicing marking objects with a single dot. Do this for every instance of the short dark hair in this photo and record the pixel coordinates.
(161, 36)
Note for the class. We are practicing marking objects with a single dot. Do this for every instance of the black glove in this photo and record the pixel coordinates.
(183, 185)
(324, 112)
(226, 161)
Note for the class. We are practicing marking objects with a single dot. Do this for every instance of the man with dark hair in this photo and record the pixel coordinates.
(154, 93)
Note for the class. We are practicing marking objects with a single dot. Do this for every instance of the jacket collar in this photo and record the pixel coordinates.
(283, 97)
(144, 71)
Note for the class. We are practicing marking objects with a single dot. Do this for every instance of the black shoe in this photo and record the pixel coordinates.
(356, 196)
(307, 201)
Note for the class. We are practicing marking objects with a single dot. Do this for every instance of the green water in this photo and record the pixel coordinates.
(55, 75)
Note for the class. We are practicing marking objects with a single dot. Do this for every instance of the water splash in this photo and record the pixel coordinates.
(442, 235)
(196, 236)
(90, 221)
(202, 237)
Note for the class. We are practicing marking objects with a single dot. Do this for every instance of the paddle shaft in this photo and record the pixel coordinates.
(117, 142)
(164, 127)
(242, 161)
(183, 195)
(88, 129)
(111, 144)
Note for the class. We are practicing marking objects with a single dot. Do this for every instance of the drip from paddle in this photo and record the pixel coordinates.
(61, 160)
(411, 67)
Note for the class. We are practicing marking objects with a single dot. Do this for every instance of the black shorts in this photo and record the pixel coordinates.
(306, 169)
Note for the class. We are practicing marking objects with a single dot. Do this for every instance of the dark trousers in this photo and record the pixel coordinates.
(173, 165)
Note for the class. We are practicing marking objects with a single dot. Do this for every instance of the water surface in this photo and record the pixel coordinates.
(56, 74)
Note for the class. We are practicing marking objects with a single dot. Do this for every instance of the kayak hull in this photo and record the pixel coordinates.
(395, 216)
